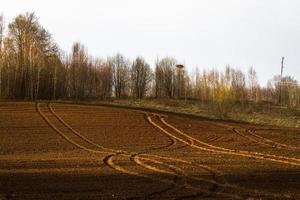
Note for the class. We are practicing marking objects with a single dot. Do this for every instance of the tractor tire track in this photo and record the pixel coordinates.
(255, 140)
(263, 141)
(157, 118)
(179, 180)
(79, 135)
(203, 192)
(249, 192)
(216, 149)
(271, 142)
(65, 137)
(108, 160)
(259, 139)
(110, 163)
(176, 184)
(189, 143)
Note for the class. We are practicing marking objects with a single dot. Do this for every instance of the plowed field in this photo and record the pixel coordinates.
(67, 151)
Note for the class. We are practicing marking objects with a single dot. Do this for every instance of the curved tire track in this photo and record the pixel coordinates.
(109, 159)
(179, 182)
(216, 149)
(270, 142)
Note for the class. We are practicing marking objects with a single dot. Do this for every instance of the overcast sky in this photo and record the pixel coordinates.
(203, 33)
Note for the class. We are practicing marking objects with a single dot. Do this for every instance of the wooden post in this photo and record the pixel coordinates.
(179, 67)
(281, 72)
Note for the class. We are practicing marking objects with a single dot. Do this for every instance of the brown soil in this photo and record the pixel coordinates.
(64, 151)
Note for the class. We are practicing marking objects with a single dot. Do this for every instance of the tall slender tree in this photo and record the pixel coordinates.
(140, 77)
(120, 67)
(165, 77)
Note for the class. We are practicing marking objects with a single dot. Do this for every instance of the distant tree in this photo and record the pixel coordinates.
(78, 71)
(201, 88)
(238, 85)
(120, 68)
(1, 30)
(254, 88)
(22, 31)
(104, 81)
(213, 77)
(223, 100)
(288, 86)
(1, 56)
(165, 77)
(140, 77)
(32, 67)
(34, 51)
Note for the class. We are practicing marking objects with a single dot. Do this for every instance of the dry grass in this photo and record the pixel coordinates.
(251, 113)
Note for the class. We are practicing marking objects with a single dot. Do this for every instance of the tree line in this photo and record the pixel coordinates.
(33, 67)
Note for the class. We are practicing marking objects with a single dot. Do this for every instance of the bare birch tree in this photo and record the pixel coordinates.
(120, 68)
(165, 77)
(140, 77)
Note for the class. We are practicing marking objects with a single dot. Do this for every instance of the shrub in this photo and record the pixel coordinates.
(223, 101)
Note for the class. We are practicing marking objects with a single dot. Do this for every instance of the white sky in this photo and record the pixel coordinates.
(203, 33)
